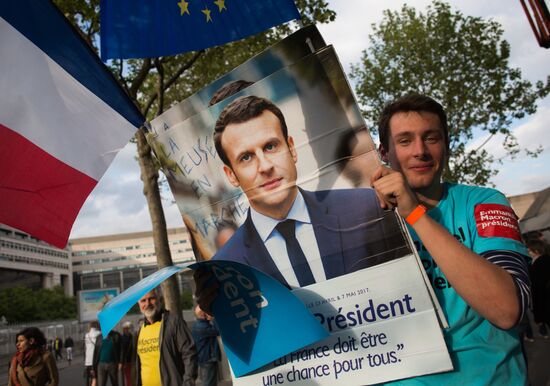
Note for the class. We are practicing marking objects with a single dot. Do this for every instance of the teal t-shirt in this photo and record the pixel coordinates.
(106, 355)
(482, 354)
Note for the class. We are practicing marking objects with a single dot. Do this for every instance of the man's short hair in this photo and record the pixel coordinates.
(242, 110)
(410, 103)
(229, 89)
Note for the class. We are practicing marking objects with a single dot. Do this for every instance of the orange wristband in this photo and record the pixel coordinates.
(415, 215)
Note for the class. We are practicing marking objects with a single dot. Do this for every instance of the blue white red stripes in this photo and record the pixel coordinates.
(63, 118)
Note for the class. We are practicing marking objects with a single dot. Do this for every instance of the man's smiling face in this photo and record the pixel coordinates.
(417, 148)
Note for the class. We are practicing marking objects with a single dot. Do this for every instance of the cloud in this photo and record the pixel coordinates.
(523, 177)
(117, 204)
(535, 132)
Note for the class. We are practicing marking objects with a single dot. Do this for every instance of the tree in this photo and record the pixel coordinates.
(21, 304)
(154, 84)
(186, 300)
(462, 62)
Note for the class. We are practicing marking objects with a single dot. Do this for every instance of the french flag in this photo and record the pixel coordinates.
(63, 118)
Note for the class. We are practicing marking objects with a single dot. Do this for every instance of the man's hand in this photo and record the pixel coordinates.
(393, 191)
(206, 289)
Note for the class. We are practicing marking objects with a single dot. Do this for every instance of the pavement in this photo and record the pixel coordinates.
(73, 374)
(537, 352)
(78, 362)
(538, 355)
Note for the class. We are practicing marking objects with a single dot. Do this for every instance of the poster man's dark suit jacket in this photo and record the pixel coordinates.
(348, 227)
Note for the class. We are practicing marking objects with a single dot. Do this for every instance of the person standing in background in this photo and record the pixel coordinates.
(32, 365)
(107, 358)
(58, 346)
(127, 354)
(69, 349)
(89, 347)
(540, 283)
(166, 353)
(205, 335)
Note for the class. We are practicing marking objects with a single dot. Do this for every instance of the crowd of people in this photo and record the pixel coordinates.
(163, 351)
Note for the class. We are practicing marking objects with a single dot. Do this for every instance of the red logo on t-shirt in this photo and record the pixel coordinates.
(495, 220)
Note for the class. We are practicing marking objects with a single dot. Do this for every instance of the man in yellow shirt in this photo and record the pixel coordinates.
(166, 354)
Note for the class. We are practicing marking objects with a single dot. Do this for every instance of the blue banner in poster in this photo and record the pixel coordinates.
(259, 319)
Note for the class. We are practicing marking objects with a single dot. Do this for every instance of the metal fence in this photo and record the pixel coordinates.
(63, 329)
(76, 330)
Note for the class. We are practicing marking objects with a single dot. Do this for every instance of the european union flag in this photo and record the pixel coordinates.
(151, 28)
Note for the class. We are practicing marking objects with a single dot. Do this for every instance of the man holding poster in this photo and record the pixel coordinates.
(469, 241)
(296, 236)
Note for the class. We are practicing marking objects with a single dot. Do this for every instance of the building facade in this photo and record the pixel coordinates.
(533, 210)
(119, 261)
(29, 262)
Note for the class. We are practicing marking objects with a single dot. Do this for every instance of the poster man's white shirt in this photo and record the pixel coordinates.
(275, 243)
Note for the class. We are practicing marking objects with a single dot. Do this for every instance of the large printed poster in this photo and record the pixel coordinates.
(90, 302)
(284, 162)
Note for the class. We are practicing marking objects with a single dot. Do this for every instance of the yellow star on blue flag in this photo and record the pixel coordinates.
(184, 7)
(220, 4)
(207, 12)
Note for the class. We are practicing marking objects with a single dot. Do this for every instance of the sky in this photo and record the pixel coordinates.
(117, 204)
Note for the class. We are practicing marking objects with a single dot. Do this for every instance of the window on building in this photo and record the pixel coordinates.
(130, 278)
(90, 282)
(111, 279)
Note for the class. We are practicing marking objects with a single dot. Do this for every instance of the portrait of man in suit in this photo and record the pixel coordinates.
(296, 236)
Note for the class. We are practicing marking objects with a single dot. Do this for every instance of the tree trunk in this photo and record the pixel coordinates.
(149, 176)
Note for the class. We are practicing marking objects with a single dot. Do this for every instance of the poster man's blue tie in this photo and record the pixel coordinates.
(298, 260)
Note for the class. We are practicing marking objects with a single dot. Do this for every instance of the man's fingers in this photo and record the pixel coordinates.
(380, 200)
(380, 172)
(386, 183)
(381, 181)
(395, 191)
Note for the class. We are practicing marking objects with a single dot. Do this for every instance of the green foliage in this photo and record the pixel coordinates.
(186, 300)
(134, 310)
(462, 62)
(21, 304)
